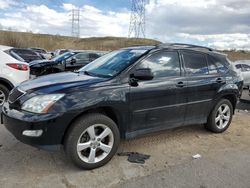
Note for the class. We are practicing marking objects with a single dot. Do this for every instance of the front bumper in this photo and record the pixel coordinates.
(53, 126)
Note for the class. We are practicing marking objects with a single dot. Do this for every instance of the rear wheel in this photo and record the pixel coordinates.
(221, 117)
(92, 141)
(4, 92)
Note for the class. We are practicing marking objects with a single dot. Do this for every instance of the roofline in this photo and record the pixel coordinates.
(4, 47)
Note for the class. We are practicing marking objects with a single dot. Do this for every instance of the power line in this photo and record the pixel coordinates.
(137, 24)
(75, 22)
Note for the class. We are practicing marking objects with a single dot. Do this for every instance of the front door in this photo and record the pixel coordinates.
(160, 102)
(80, 59)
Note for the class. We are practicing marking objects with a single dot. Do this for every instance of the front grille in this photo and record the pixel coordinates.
(15, 94)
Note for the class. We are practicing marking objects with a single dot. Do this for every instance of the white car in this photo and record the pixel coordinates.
(243, 66)
(12, 72)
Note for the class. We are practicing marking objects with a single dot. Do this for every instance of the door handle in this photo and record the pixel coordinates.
(219, 80)
(180, 84)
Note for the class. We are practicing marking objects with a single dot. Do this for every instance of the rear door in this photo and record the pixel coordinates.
(205, 77)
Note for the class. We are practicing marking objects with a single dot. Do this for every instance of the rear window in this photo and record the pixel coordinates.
(15, 56)
(25, 55)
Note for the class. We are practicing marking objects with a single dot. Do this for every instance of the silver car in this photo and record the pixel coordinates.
(243, 66)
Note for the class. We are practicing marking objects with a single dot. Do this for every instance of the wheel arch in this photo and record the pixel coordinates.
(111, 112)
(232, 98)
(6, 83)
(229, 96)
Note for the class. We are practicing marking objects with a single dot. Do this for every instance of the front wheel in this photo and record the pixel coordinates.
(221, 117)
(92, 141)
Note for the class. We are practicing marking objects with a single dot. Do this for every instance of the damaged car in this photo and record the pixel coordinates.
(69, 61)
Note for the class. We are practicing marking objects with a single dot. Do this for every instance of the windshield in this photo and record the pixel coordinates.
(112, 63)
(63, 56)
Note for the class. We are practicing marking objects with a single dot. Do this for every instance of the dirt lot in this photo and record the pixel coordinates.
(225, 161)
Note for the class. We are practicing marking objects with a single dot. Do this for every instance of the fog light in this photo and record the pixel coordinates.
(33, 133)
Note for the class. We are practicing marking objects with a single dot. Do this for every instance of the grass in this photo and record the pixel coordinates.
(52, 42)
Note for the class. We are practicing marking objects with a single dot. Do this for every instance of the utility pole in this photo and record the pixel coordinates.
(75, 20)
(137, 19)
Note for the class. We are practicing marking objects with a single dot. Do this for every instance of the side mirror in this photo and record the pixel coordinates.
(73, 61)
(143, 74)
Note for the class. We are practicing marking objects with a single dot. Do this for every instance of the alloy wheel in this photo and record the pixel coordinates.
(95, 143)
(222, 117)
(2, 97)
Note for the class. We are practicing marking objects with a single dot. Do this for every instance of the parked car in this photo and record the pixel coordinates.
(123, 94)
(69, 61)
(60, 51)
(42, 52)
(243, 66)
(24, 54)
(12, 72)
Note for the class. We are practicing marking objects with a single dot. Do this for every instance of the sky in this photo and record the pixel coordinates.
(223, 24)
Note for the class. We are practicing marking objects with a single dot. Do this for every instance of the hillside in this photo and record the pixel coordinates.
(52, 42)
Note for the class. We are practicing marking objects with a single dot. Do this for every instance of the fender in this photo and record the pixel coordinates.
(229, 89)
(7, 82)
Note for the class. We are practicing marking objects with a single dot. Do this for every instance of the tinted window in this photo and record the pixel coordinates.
(238, 66)
(163, 64)
(215, 66)
(26, 55)
(93, 56)
(82, 56)
(195, 64)
(245, 67)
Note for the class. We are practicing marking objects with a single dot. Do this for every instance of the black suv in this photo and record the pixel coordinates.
(123, 94)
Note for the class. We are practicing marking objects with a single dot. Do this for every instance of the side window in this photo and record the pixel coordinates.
(82, 57)
(238, 66)
(163, 64)
(93, 56)
(245, 68)
(195, 63)
(215, 66)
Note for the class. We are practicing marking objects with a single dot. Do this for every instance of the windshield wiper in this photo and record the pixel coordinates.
(90, 73)
(95, 74)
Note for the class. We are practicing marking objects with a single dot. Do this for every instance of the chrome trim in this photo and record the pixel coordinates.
(173, 105)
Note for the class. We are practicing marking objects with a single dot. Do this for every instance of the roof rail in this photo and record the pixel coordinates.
(183, 45)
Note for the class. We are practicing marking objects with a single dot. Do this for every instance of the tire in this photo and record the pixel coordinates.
(80, 135)
(218, 121)
(4, 93)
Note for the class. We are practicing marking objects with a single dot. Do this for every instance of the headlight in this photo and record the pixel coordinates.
(41, 103)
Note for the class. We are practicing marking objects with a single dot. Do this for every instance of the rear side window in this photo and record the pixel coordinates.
(215, 66)
(195, 63)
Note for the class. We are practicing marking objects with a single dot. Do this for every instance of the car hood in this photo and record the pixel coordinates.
(40, 63)
(59, 81)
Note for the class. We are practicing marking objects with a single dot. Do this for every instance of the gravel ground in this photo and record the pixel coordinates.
(225, 161)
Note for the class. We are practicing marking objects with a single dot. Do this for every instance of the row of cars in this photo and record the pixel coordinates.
(19, 64)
